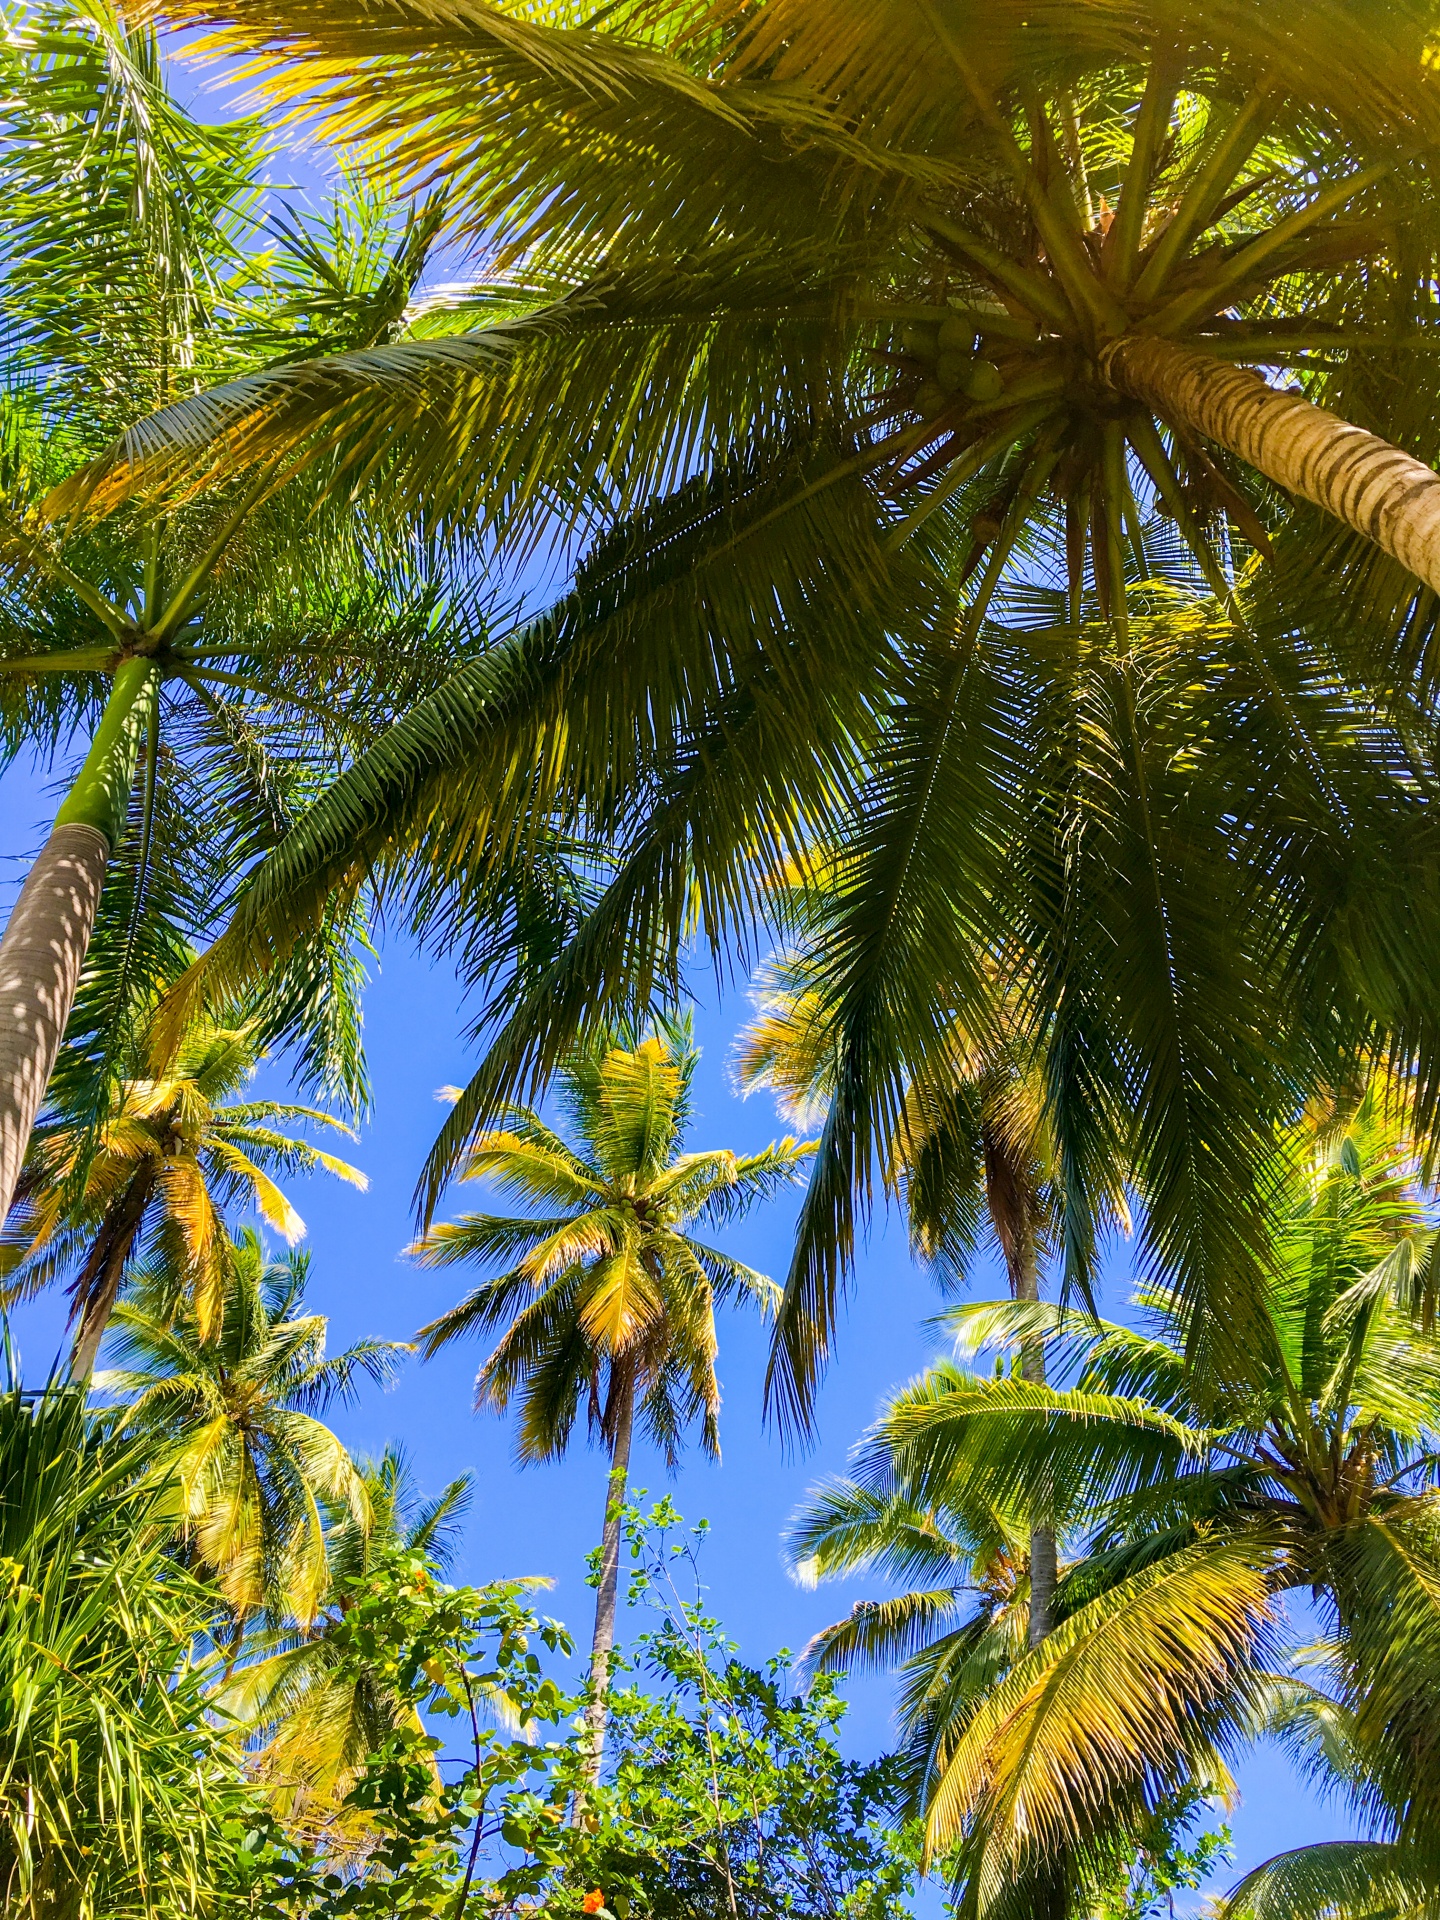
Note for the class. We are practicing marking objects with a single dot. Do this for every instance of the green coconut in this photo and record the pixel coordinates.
(983, 381)
(957, 334)
(952, 370)
(921, 341)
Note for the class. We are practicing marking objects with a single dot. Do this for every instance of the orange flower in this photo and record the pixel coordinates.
(594, 1901)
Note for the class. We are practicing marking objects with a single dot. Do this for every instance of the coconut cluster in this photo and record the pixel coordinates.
(950, 363)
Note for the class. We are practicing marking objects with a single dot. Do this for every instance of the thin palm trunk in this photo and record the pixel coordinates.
(1011, 1198)
(604, 1638)
(48, 933)
(1374, 487)
(98, 1287)
(40, 955)
(1025, 1284)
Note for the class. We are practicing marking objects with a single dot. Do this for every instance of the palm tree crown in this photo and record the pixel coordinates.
(250, 1463)
(319, 1715)
(610, 1296)
(998, 238)
(172, 1151)
(860, 314)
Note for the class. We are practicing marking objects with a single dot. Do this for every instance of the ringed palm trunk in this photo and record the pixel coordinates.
(1025, 1284)
(603, 1641)
(49, 929)
(1372, 486)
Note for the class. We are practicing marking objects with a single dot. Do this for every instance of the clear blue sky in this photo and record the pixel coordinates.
(543, 1520)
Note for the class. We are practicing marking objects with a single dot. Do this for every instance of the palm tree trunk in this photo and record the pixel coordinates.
(604, 1638)
(40, 955)
(1372, 486)
(48, 932)
(1025, 1282)
(98, 1286)
(1014, 1210)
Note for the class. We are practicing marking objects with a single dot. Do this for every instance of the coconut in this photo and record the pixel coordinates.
(957, 334)
(920, 341)
(952, 370)
(984, 381)
(930, 398)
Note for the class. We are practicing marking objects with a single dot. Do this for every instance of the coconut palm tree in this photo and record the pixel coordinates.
(235, 1416)
(1189, 1513)
(218, 657)
(958, 1621)
(176, 1149)
(749, 664)
(319, 1715)
(1342, 1877)
(607, 1299)
(1042, 250)
(1157, 829)
(1356, 1879)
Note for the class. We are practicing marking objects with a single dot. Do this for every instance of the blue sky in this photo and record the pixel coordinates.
(543, 1520)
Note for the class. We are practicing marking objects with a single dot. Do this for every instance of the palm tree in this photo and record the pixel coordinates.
(234, 1414)
(1356, 1879)
(402, 1520)
(1144, 804)
(225, 654)
(1360, 1879)
(320, 1715)
(1189, 1511)
(959, 1624)
(606, 1298)
(960, 1620)
(174, 1151)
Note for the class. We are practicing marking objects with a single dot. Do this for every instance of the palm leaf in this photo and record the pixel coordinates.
(1134, 1683)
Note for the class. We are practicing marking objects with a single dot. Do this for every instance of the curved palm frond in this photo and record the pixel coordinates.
(1134, 1683)
(1346, 1878)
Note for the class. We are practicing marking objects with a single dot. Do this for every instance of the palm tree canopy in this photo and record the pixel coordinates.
(318, 1715)
(607, 1284)
(1188, 1509)
(765, 404)
(1149, 843)
(402, 1520)
(175, 1150)
(732, 242)
(1351, 1879)
(250, 1461)
(709, 221)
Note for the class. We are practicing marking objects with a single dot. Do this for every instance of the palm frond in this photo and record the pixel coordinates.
(1341, 1877)
(1133, 1684)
